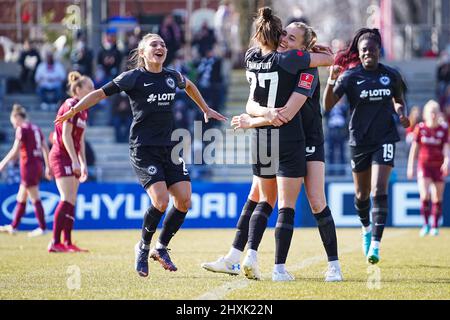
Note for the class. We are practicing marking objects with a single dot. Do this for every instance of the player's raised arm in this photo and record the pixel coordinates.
(88, 101)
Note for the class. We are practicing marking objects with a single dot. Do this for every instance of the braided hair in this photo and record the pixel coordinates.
(349, 58)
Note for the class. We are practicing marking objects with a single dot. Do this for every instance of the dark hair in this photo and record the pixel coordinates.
(268, 28)
(350, 57)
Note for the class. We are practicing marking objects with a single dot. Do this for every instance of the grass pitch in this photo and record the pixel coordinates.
(410, 268)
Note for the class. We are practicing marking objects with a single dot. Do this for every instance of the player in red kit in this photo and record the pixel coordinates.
(432, 148)
(68, 163)
(31, 146)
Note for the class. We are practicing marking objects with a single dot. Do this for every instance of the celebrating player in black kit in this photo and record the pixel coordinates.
(375, 93)
(151, 89)
(273, 77)
(307, 95)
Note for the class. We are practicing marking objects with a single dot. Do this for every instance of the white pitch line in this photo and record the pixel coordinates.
(218, 293)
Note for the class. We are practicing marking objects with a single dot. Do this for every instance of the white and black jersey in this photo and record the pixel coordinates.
(370, 95)
(273, 77)
(152, 96)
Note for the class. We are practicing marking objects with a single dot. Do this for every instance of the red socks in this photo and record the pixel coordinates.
(63, 210)
(436, 210)
(68, 225)
(425, 210)
(20, 212)
(39, 211)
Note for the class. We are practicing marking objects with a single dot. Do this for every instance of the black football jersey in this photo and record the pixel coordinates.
(311, 113)
(151, 97)
(272, 78)
(370, 95)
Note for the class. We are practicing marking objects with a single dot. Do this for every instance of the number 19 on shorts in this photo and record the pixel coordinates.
(388, 152)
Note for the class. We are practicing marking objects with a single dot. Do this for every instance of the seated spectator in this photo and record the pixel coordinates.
(337, 136)
(172, 35)
(81, 57)
(204, 40)
(29, 60)
(121, 116)
(50, 76)
(443, 77)
(109, 57)
(210, 81)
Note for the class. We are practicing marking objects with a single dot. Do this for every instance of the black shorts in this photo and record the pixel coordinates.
(363, 157)
(315, 153)
(153, 164)
(290, 163)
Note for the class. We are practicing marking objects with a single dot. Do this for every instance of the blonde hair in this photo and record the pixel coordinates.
(135, 60)
(310, 36)
(430, 106)
(75, 80)
(18, 110)
(268, 28)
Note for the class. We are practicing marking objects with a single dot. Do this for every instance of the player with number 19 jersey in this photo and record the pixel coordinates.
(373, 131)
(273, 77)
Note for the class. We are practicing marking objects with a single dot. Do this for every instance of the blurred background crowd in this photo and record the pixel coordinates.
(41, 41)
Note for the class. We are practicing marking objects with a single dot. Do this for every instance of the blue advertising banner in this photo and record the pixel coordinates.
(214, 205)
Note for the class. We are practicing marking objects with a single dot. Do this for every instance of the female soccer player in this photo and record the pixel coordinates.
(68, 163)
(31, 145)
(432, 146)
(151, 89)
(302, 37)
(375, 93)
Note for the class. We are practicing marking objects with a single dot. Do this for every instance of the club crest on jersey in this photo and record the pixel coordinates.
(385, 80)
(170, 82)
(152, 170)
(306, 80)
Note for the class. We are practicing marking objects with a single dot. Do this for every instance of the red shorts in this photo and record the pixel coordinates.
(434, 173)
(31, 174)
(60, 163)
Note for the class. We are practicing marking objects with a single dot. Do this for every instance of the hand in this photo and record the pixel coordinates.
(287, 114)
(404, 121)
(321, 49)
(275, 118)
(76, 169)
(66, 116)
(84, 174)
(48, 173)
(210, 113)
(444, 169)
(243, 121)
(335, 70)
(410, 173)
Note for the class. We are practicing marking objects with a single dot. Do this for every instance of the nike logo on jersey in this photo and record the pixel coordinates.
(148, 84)
(360, 82)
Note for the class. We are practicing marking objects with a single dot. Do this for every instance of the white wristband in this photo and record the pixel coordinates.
(331, 82)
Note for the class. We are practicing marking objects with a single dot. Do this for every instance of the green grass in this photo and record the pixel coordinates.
(410, 268)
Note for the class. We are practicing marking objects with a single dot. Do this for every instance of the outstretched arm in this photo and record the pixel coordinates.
(88, 101)
(12, 154)
(194, 94)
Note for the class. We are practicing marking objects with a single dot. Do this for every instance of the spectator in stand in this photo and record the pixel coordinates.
(443, 77)
(29, 60)
(337, 137)
(109, 57)
(210, 80)
(121, 116)
(82, 57)
(50, 76)
(414, 118)
(172, 35)
(204, 40)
